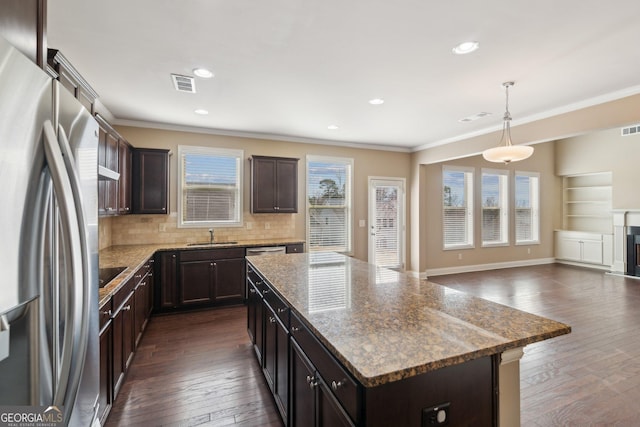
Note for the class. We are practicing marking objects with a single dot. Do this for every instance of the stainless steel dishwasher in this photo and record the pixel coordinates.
(266, 250)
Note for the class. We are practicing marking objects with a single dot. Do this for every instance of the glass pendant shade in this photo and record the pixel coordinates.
(506, 152)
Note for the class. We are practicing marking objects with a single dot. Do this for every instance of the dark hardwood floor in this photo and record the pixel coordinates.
(195, 369)
(199, 368)
(590, 377)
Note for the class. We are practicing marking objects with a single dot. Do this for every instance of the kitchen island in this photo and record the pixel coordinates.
(378, 347)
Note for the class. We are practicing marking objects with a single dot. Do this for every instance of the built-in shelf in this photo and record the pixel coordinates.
(588, 203)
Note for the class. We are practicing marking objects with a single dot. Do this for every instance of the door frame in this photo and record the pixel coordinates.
(402, 183)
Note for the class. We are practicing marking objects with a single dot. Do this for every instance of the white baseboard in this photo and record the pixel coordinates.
(483, 267)
(582, 264)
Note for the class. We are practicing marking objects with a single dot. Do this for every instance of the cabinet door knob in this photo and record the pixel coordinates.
(295, 329)
(272, 319)
(337, 385)
(253, 291)
(127, 307)
(266, 291)
(108, 312)
(282, 310)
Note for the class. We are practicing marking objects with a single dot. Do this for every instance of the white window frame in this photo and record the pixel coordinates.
(348, 250)
(534, 189)
(467, 204)
(502, 204)
(239, 154)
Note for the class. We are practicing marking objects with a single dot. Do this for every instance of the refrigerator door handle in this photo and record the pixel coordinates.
(72, 351)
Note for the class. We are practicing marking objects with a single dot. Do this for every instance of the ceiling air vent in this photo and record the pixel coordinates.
(630, 130)
(183, 83)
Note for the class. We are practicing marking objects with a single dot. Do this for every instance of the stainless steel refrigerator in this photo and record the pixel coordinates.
(49, 353)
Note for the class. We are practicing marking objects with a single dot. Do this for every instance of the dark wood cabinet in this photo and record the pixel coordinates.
(276, 358)
(312, 403)
(197, 278)
(123, 338)
(150, 181)
(23, 24)
(274, 184)
(229, 280)
(296, 248)
(303, 399)
(166, 283)
(200, 277)
(62, 70)
(109, 158)
(124, 183)
(143, 298)
(105, 398)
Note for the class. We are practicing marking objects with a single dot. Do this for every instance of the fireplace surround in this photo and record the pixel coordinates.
(626, 245)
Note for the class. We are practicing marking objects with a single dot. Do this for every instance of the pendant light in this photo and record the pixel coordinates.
(506, 152)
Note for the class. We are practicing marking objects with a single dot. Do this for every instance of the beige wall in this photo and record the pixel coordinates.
(601, 152)
(432, 250)
(597, 118)
(366, 163)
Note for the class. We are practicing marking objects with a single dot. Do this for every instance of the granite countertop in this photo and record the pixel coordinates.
(385, 326)
(135, 256)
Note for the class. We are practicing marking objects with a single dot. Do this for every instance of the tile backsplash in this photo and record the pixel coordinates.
(163, 229)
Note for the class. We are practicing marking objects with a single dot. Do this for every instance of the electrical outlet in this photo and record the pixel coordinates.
(363, 223)
(267, 226)
(162, 227)
(436, 415)
(529, 251)
(249, 225)
(459, 256)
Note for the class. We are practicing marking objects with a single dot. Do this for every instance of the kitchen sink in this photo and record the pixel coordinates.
(211, 244)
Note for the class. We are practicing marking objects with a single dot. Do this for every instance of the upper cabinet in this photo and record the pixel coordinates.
(23, 25)
(274, 184)
(150, 181)
(62, 70)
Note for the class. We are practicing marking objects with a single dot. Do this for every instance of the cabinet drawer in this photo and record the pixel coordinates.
(279, 307)
(105, 314)
(297, 248)
(344, 388)
(123, 293)
(211, 254)
(255, 279)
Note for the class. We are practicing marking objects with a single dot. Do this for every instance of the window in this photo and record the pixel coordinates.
(457, 203)
(495, 207)
(209, 187)
(329, 181)
(527, 206)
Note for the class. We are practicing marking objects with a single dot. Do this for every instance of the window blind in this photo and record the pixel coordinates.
(495, 211)
(457, 194)
(526, 206)
(329, 204)
(210, 184)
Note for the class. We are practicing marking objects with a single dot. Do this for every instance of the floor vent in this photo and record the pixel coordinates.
(183, 83)
(630, 130)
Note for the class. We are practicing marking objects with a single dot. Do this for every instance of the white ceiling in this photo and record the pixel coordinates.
(290, 68)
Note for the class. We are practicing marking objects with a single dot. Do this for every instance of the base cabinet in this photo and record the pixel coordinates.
(584, 247)
(320, 391)
(200, 278)
(105, 396)
(122, 321)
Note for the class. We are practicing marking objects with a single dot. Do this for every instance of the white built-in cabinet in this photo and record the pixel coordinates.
(587, 233)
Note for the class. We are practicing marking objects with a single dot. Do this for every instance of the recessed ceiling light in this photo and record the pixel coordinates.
(333, 127)
(376, 101)
(201, 111)
(202, 72)
(466, 47)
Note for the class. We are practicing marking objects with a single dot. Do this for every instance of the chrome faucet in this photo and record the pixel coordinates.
(211, 236)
